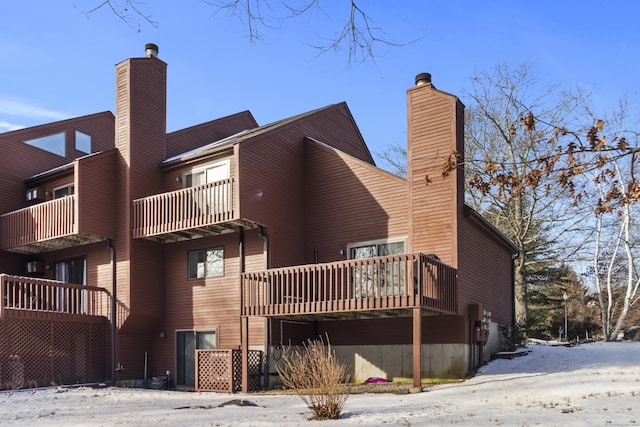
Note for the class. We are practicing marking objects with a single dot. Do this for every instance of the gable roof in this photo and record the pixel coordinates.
(248, 134)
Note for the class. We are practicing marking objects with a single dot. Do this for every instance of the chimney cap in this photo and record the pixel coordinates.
(423, 78)
(151, 49)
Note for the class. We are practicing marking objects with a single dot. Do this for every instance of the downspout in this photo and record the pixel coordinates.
(265, 250)
(113, 309)
(264, 238)
(241, 248)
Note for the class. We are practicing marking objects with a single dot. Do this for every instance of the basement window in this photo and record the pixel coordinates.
(206, 263)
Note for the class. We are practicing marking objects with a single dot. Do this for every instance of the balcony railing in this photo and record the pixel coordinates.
(189, 208)
(26, 294)
(48, 220)
(383, 283)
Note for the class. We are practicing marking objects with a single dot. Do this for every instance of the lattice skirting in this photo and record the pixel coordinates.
(221, 370)
(38, 353)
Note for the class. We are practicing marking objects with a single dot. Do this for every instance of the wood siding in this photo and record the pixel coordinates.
(174, 175)
(14, 152)
(95, 194)
(212, 303)
(271, 191)
(271, 176)
(193, 137)
(140, 139)
(84, 217)
(485, 272)
(434, 133)
(346, 201)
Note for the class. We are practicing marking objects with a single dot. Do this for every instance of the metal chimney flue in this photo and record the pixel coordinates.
(151, 49)
(423, 79)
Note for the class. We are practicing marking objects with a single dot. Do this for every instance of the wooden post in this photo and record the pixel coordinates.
(417, 347)
(244, 338)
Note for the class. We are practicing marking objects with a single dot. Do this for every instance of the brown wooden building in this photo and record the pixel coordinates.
(228, 240)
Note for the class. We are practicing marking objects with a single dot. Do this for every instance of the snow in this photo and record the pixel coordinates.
(590, 384)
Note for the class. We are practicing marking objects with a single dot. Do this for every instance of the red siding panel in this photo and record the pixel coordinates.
(348, 200)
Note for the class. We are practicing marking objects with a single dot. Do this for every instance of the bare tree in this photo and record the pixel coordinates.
(394, 158)
(616, 256)
(357, 34)
(128, 11)
(503, 183)
(568, 164)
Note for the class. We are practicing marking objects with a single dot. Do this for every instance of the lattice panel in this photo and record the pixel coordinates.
(213, 371)
(37, 353)
(221, 370)
(255, 369)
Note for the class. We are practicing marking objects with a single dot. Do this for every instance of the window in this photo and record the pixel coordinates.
(379, 278)
(206, 263)
(376, 248)
(212, 195)
(70, 300)
(52, 143)
(83, 142)
(206, 174)
(71, 271)
(63, 191)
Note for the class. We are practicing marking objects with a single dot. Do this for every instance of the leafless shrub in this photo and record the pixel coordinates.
(316, 374)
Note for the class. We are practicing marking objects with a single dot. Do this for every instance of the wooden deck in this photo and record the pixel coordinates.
(43, 227)
(187, 213)
(379, 286)
(30, 298)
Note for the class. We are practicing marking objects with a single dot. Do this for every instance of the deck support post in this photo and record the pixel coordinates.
(244, 339)
(417, 347)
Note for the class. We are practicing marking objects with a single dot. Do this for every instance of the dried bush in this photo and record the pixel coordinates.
(316, 374)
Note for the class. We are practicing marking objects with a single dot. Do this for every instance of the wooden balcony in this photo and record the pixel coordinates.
(43, 227)
(188, 213)
(375, 286)
(31, 298)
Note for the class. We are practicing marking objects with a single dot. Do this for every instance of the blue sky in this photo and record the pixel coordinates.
(58, 63)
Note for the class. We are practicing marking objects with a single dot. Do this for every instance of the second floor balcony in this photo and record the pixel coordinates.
(45, 227)
(369, 287)
(187, 213)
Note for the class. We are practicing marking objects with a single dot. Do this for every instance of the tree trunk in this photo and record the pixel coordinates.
(520, 290)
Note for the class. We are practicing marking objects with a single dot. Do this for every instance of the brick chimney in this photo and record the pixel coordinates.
(435, 130)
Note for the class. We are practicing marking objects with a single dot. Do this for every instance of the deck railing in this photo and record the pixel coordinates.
(183, 209)
(47, 220)
(382, 283)
(42, 295)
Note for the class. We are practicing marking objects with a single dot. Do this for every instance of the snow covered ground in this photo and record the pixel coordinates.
(593, 384)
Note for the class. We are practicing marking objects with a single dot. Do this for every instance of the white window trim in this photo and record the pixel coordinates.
(203, 168)
(69, 185)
